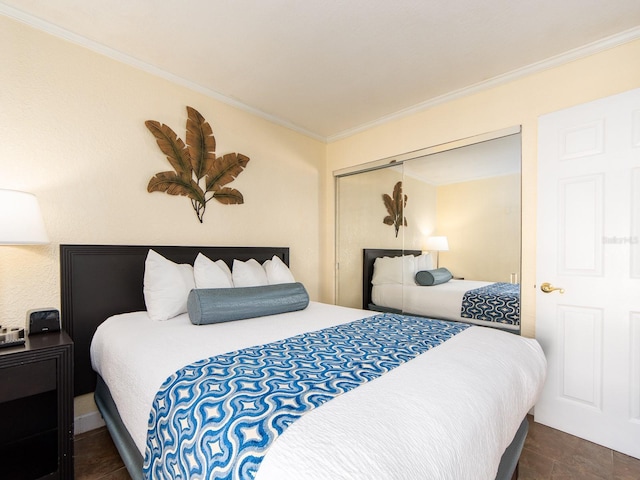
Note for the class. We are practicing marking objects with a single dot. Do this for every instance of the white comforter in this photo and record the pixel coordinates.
(448, 414)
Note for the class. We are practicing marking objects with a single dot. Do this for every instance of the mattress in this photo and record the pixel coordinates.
(437, 301)
(450, 413)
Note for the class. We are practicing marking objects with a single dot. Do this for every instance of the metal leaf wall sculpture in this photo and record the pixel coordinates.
(395, 208)
(195, 162)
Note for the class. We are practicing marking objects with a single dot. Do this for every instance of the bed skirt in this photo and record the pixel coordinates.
(129, 453)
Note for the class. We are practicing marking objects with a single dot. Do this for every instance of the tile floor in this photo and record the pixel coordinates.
(548, 455)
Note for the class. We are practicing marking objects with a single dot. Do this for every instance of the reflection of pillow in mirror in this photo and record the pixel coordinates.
(210, 274)
(394, 270)
(166, 286)
(248, 274)
(424, 262)
(409, 269)
(428, 278)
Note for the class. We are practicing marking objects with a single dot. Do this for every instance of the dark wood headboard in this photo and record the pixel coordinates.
(369, 257)
(98, 281)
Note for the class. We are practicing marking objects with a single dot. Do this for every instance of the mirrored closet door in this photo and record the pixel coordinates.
(458, 204)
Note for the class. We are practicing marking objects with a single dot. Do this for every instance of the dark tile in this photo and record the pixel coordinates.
(568, 457)
(549, 442)
(120, 474)
(590, 458)
(625, 467)
(534, 466)
(563, 471)
(95, 455)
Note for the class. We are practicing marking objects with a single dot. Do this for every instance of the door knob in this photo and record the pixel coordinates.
(546, 287)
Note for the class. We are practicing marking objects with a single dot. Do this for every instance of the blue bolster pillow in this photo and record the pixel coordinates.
(215, 305)
(427, 278)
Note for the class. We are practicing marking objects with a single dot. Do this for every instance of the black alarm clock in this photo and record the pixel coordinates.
(43, 320)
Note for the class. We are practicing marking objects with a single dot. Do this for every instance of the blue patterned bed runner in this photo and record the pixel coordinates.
(217, 417)
(498, 302)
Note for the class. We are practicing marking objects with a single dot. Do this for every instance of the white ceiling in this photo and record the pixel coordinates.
(492, 158)
(329, 68)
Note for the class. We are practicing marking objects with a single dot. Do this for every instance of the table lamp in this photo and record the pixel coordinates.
(20, 219)
(437, 244)
(20, 224)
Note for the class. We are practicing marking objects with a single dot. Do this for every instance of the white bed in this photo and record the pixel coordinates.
(448, 414)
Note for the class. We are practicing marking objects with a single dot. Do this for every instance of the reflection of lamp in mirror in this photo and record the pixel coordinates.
(437, 244)
(20, 219)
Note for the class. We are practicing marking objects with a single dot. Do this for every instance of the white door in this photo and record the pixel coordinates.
(588, 243)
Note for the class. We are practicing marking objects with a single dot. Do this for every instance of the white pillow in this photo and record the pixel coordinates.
(277, 271)
(248, 274)
(166, 286)
(409, 269)
(210, 274)
(424, 262)
(394, 270)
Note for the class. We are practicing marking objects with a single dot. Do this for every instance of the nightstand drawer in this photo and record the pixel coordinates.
(28, 379)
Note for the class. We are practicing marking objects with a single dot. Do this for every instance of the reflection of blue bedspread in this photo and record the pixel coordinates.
(217, 417)
(498, 302)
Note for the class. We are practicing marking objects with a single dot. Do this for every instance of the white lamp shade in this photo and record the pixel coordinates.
(20, 219)
(439, 244)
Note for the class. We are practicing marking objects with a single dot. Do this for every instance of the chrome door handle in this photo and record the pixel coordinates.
(546, 287)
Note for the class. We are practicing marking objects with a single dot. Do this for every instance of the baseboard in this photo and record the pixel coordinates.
(87, 422)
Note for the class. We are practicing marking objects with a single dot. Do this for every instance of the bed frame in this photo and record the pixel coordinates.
(98, 281)
(369, 257)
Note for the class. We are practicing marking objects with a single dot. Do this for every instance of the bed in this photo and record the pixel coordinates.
(400, 424)
(490, 304)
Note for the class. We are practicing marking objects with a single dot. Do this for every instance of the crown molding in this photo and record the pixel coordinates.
(575, 54)
(97, 47)
(556, 61)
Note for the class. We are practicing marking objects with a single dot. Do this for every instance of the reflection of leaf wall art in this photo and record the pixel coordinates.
(195, 162)
(395, 208)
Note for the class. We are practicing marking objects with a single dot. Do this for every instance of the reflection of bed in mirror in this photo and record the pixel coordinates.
(491, 304)
(411, 413)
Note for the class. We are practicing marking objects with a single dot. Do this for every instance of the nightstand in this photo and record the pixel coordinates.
(36, 408)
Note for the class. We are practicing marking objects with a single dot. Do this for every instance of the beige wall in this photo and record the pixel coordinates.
(519, 102)
(481, 220)
(73, 133)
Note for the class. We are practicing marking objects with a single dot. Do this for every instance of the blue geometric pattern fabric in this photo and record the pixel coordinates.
(498, 302)
(217, 417)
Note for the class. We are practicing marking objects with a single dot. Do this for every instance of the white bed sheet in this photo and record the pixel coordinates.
(437, 301)
(448, 414)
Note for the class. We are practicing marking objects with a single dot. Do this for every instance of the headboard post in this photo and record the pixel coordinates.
(98, 281)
